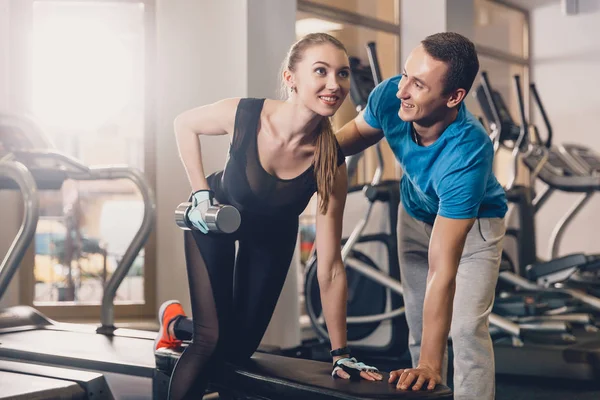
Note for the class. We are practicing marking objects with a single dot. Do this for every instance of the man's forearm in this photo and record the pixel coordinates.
(437, 316)
(445, 252)
(353, 146)
(350, 139)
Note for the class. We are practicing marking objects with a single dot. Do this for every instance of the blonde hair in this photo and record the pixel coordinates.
(325, 164)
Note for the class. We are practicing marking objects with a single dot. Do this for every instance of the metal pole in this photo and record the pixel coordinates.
(21, 175)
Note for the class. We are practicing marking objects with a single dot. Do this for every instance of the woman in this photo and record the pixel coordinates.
(281, 153)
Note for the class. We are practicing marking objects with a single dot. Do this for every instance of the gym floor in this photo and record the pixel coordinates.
(529, 388)
(533, 388)
(521, 388)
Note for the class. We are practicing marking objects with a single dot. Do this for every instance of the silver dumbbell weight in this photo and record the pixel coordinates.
(220, 218)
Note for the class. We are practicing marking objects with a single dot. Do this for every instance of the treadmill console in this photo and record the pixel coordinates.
(572, 168)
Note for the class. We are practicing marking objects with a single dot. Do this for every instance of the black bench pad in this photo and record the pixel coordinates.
(278, 377)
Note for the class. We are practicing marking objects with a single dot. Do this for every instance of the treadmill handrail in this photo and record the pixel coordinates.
(74, 169)
(27, 127)
(560, 228)
(377, 79)
(541, 164)
(523, 134)
(352, 164)
(538, 101)
(65, 159)
(357, 231)
(575, 151)
(107, 315)
(10, 264)
(352, 160)
(497, 134)
(573, 162)
(78, 171)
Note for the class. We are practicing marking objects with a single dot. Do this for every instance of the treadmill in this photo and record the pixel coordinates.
(567, 167)
(26, 381)
(583, 162)
(571, 346)
(28, 163)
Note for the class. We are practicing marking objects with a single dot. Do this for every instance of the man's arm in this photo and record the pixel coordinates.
(460, 190)
(445, 250)
(357, 135)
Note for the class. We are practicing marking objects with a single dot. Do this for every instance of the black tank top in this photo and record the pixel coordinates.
(246, 185)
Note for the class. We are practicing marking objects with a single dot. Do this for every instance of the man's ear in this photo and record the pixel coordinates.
(456, 97)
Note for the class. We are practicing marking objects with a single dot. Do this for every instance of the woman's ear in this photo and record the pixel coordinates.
(288, 78)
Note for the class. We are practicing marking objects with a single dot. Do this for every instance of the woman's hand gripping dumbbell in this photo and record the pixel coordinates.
(204, 215)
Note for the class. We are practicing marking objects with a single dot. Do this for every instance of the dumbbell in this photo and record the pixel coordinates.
(219, 218)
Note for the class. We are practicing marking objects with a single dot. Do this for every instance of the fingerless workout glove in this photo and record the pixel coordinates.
(352, 368)
(201, 200)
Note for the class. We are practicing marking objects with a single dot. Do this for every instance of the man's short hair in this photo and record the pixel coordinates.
(459, 54)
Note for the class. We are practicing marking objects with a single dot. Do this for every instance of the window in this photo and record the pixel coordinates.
(383, 10)
(88, 86)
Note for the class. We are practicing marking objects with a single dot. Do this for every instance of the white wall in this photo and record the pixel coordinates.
(201, 56)
(565, 65)
(441, 16)
(271, 32)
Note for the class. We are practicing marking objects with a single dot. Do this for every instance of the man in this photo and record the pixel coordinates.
(451, 223)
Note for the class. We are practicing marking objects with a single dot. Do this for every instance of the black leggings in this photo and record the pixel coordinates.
(233, 299)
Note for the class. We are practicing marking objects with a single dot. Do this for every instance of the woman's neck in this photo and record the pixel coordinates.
(295, 123)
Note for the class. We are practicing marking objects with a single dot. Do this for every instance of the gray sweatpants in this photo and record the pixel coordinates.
(473, 300)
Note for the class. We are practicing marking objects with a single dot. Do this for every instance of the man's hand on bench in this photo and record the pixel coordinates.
(419, 377)
(350, 368)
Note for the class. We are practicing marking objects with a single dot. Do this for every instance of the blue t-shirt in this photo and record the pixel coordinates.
(453, 176)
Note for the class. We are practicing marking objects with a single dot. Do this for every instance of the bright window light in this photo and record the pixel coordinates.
(82, 73)
(312, 25)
